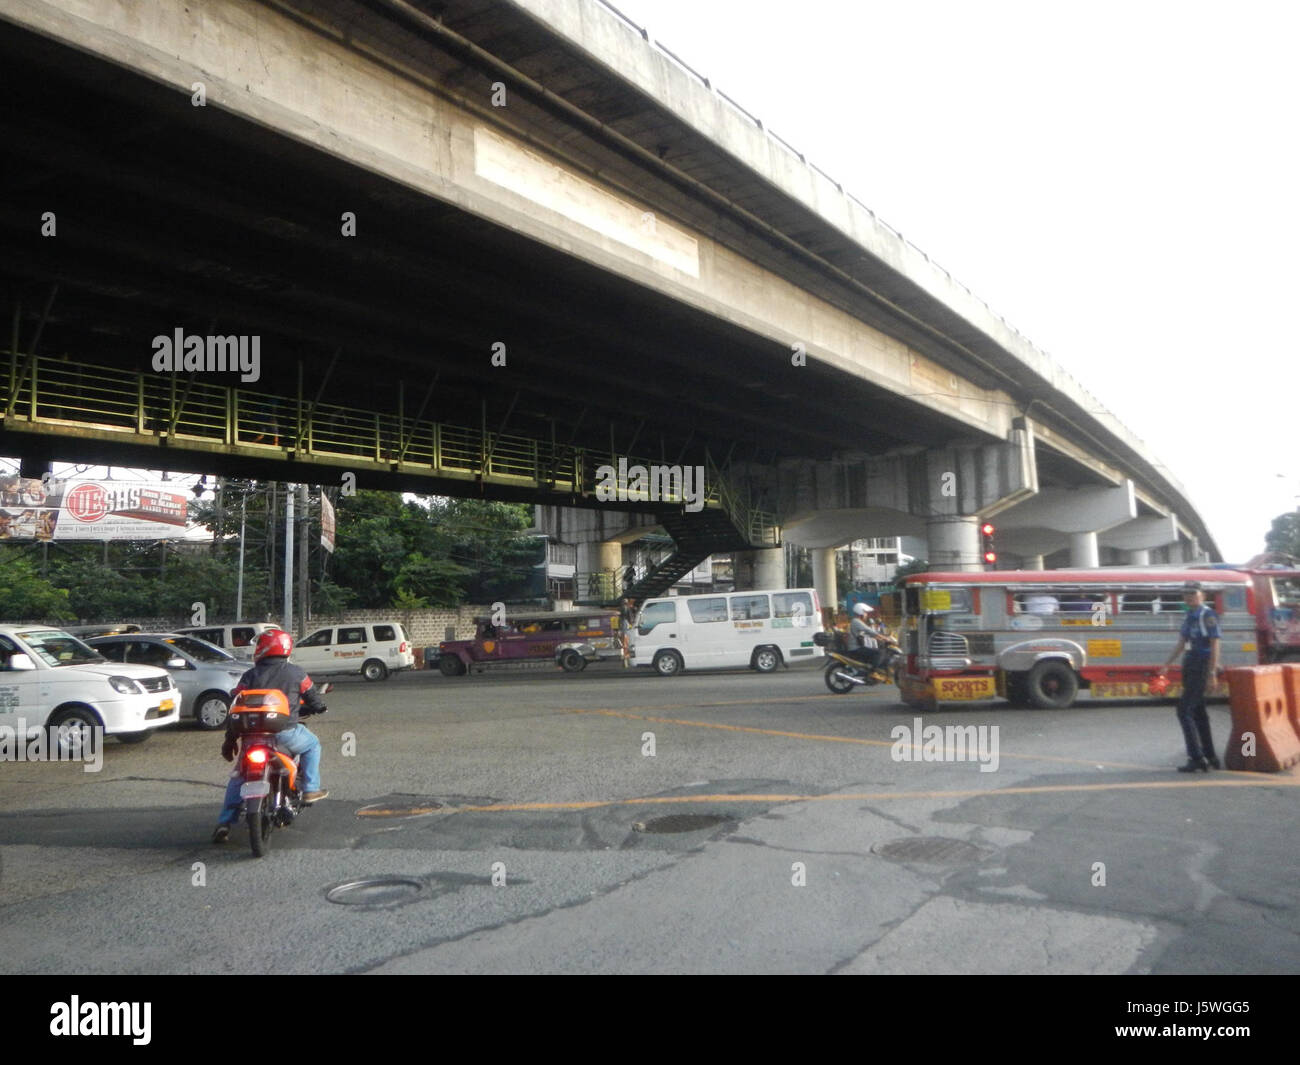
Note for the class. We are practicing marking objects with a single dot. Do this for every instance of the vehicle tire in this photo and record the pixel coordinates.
(572, 662)
(450, 666)
(667, 663)
(74, 717)
(211, 710)
(259, 825)
(1052, 684)
(1018, 690)
(374, 670)
(839, 687)
(766, 659)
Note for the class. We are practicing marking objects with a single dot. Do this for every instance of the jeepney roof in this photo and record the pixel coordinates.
(549, 615)
(1112, 575)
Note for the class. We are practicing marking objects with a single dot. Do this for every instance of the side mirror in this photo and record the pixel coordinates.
(176, 662)
(21, 660)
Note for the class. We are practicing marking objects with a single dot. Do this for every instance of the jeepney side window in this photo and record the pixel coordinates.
(1286, 599)
(656, 614)
(1158, 602)
(1234, 599)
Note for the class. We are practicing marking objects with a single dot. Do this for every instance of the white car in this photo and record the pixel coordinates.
(49, 678)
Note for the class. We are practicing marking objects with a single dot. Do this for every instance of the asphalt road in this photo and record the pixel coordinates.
(520, 814)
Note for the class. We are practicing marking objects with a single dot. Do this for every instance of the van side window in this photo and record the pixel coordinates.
(241, 637)
(355, 634)
(319, 638)
(749, 607)
(657, 614)
(706, 610)
(791, 605)
(385, 633)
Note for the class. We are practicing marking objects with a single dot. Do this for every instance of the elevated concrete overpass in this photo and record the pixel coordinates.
(513, 220)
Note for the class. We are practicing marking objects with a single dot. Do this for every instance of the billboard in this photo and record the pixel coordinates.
(326, 524)
(77, 508)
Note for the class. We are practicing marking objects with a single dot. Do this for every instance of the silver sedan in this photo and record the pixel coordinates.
(204, 674)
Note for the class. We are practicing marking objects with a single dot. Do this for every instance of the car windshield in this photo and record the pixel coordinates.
(56, 648)
(200, 651)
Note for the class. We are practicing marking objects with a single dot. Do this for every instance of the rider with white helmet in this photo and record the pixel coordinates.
(864, 645)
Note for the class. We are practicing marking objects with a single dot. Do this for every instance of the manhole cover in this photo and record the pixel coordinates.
(400, 808)
(680, 823)
(375, 891)
(935, 850)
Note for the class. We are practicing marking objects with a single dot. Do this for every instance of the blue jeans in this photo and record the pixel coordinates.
(297, 740)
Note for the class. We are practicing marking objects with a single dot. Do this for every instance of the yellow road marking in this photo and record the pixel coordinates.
(848, 739)
(873, 796)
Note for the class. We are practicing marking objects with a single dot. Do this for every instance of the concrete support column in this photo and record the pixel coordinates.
(823, 564)
(760, 569)
(1083, 550)
(1140, 558)
(1033, 562)
(954, 543)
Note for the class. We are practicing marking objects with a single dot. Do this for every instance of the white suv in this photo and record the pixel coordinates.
(49, 678)
(373, 648)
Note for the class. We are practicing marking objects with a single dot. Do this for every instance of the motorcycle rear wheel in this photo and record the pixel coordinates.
(259, 825)
(837, 685)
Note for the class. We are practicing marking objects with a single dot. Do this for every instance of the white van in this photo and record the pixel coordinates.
(239, 639)
(373, 648)
(760, 629)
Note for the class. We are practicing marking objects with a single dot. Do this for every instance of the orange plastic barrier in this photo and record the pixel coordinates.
(1291, 683)
(1260, 725)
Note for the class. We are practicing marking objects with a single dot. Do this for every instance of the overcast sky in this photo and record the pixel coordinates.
(1118, 180)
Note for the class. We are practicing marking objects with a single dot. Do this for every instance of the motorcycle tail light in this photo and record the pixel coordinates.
(257, 756)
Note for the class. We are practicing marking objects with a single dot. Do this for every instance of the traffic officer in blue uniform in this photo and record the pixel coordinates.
(1200, 635)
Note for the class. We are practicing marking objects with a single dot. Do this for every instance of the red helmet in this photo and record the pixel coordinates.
(274, 642)
(1158, 685)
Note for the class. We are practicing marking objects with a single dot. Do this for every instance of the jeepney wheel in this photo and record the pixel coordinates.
(572, 662)
(374, 670)
(766, 659)
(667, 663)
(451, 666)
(1018, 690)
(1052, 685)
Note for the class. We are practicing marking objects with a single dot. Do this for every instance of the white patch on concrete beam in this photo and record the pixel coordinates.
(549, 185)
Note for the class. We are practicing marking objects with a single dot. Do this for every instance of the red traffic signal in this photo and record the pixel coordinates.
(990, 555)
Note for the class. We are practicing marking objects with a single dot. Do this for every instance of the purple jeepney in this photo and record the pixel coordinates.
(570, 639)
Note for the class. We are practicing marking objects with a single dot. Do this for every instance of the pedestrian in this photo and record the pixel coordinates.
(1200, 635)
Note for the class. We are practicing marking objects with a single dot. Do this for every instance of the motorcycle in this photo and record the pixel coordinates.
(843, 672)
(270, 790)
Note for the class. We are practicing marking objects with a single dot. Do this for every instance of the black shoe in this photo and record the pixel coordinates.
(221, 834)
(1214, 762)
(1194, 764)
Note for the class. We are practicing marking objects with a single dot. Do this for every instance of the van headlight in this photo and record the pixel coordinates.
(125, 685)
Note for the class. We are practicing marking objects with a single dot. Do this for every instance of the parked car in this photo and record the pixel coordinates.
(85, 632)
(50, 678)
(205, 674)
(373, 648)
(237, 639)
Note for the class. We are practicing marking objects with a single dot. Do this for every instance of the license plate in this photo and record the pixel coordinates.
(255, 789)
(166, 705)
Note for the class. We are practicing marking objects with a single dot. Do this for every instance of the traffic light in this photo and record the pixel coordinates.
(988, 553)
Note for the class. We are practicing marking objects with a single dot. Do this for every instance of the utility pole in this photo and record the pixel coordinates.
(239, 587)
(303, 554)
(288, 558)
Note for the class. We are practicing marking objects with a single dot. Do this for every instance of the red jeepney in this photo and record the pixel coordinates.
(570, 639)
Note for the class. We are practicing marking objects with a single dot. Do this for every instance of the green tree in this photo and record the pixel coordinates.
(917, 565)
(26, 595)
(1284, 536)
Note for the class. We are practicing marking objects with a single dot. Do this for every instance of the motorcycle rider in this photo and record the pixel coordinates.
(865, 644)
(272, 669)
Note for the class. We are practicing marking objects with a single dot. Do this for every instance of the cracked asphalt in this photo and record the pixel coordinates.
(519, 810)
